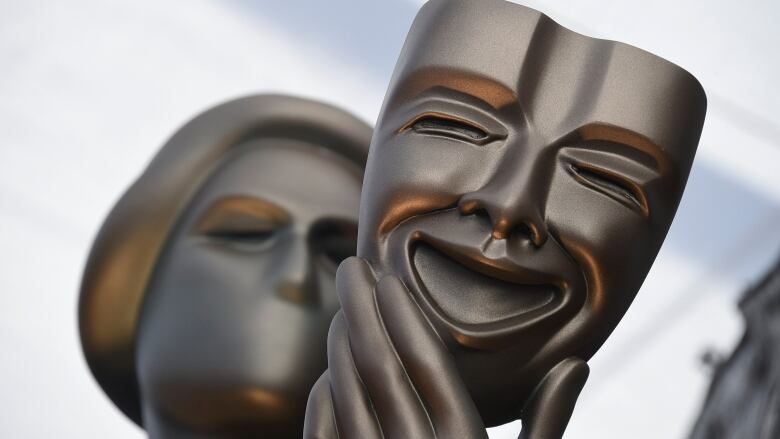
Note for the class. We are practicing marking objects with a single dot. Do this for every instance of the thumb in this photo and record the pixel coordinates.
(548, 411)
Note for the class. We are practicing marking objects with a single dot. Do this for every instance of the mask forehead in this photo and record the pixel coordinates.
(457, 42)
(562, 82)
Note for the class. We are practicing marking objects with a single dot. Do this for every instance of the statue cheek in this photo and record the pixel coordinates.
(412, 174)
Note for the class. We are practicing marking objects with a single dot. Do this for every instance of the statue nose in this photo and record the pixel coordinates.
(508, 218)
(297, 281)
(514, 196)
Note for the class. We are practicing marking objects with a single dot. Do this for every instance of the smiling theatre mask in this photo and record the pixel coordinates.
(521, 180)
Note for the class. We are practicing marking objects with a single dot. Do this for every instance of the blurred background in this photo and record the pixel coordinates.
(90, 89)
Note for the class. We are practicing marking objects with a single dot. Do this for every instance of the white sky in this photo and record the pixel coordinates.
(90, 89)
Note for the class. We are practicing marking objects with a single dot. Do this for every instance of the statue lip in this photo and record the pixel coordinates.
(213, 404)
(515, 262)
(487, 293)
(475, 291)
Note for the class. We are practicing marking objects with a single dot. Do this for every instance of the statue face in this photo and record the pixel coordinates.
(233, 331)
(521, 181)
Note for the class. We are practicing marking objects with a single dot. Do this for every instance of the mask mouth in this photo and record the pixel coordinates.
(229, 409)
(473, 293)
(486, 293)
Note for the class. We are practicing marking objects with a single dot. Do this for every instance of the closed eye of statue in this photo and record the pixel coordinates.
(613, 185)
(248, 236)
(435, 124)
(245, 221)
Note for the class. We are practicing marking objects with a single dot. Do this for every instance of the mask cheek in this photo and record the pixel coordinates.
(406, 178)
(612, 244)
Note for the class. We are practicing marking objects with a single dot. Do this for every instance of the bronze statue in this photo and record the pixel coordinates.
(521, 180)
(209, 290)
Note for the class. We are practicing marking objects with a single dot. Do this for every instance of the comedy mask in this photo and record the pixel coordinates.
(520, 182)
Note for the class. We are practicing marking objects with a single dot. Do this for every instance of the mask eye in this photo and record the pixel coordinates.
(247, 236)
(242, 221)
(612, 185)
(449, 127)
(334, 241)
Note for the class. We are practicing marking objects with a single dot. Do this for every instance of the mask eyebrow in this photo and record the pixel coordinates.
(492, 92)
(650, 154)
(241, 212)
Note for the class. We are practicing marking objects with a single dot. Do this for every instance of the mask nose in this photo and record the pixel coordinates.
(297, 282)
(513, 199)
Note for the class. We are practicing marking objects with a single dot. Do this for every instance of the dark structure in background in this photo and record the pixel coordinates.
(209, 289)
(744, 398)
(521, 181)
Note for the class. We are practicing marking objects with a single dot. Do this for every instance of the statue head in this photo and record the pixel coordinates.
(521, 180)
(209, 290)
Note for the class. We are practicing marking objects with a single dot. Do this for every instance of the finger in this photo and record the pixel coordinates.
(428, 363)
(397, 406)
(351, 407)
(320, 422)
(552, 403)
